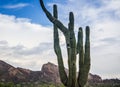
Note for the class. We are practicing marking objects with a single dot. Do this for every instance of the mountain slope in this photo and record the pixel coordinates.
(48, 73)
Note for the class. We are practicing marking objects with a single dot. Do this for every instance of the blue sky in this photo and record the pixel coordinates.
(26, 35)
(24, 9)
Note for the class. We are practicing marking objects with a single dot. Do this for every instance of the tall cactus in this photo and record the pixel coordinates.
(72, 50)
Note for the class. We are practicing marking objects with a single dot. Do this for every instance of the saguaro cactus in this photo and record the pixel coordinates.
(72, 50)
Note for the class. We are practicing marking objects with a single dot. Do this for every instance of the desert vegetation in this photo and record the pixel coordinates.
(28, 84)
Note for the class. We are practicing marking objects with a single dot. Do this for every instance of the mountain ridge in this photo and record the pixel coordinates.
(49, 73)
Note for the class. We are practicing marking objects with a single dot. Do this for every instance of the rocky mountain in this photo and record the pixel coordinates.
(48, 73)
(9, 73)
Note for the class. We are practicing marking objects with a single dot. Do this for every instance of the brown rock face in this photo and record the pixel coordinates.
(51, 73)
(4, 67)
(9, 73)
(48, 73)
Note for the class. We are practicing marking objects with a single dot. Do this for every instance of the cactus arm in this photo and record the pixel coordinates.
(72, 58)
(80, 40)
(81, 57)
(87, 55)
(57, 49)
(84, 60)
(87, 46)
(53, 19)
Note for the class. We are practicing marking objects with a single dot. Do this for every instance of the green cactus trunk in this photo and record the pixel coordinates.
(72, 50)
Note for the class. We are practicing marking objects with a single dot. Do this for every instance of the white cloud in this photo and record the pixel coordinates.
(32, 58)
(22, 31)
(14, 6)
(25, 44)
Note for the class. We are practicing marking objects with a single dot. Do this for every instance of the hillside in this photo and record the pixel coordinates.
(49, 73)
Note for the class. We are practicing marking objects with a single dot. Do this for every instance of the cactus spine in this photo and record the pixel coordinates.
(72, 50)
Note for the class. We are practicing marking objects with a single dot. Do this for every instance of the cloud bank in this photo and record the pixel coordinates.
(25, 44)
